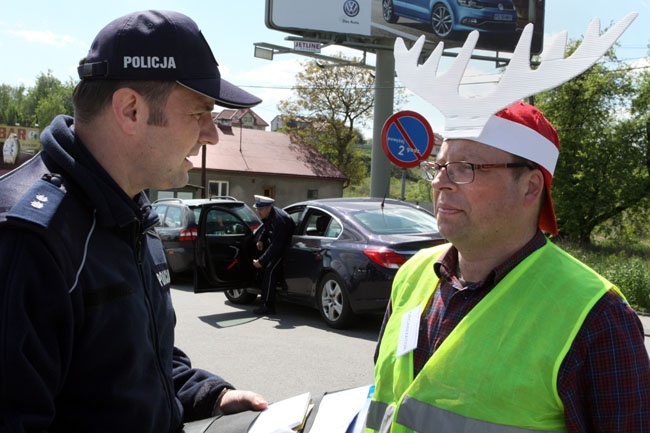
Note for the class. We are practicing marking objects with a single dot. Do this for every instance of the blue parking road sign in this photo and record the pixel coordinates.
(407, 138)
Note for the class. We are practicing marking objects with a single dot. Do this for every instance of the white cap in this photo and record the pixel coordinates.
(263, 201)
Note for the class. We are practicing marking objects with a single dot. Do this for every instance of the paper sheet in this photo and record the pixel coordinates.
(338, 409)
(283, 416)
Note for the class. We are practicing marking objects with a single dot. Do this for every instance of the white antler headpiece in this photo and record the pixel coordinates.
(466, 117)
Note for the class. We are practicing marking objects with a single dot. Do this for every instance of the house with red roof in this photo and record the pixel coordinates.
(249, 161)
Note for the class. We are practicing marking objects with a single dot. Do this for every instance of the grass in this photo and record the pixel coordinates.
(627, 266)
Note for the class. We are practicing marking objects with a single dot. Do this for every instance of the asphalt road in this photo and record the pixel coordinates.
(288, 354)
(282, 356)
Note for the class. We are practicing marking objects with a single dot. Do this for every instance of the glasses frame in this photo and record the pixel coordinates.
(428, 166)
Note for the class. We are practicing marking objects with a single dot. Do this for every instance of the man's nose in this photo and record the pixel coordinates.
(209, 133)
(439, 177)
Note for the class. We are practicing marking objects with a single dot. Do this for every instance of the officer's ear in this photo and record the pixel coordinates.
(129, 109)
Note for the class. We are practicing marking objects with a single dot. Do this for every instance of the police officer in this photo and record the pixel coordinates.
(274, 237)
(88, 340)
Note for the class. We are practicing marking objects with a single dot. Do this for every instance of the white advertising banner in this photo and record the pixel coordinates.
(499, 22)
(337, 16)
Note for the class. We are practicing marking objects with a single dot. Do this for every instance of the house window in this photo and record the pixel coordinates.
(185, 195)
(247, 121)
(175, 194)
(312, 194)
(165, 194)
(218, 188)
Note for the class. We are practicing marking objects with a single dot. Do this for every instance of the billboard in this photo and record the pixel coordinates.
(18, 144)
(499, 22)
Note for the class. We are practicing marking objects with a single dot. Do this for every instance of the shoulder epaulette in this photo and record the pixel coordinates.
(30, 193)
(39, 204)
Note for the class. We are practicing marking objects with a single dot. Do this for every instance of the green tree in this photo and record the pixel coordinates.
(603, 167)
(330, 103)
(36, 105)
(11, 102)
(336, 142)
(47, 99)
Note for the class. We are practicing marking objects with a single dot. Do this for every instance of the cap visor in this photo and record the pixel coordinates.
(224, 93)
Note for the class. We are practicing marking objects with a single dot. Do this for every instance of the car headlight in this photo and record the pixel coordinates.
(469, 4)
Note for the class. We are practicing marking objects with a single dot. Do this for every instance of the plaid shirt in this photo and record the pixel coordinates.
(604, 380)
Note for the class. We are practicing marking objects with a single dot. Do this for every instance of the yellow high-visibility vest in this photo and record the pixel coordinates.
(497, 370)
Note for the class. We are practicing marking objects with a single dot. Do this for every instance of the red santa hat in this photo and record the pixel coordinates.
(522, 129)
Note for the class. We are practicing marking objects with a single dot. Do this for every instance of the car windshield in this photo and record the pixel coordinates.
(397, 220)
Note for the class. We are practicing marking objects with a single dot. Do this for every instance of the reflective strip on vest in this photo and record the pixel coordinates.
(422, 418)
(380, 416)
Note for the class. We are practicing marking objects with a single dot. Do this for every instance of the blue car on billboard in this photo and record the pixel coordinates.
(447, 17)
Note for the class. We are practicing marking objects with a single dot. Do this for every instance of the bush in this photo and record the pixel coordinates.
(626, 266)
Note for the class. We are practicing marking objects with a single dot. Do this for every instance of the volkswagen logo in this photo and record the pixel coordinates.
(351, 8)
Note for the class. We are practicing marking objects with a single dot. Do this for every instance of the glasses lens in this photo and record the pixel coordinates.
(428, 170)
(460, 172)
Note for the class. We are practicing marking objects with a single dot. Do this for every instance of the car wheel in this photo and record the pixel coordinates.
(240, 296)
(388, 11)
(441, 20)
(333, 302)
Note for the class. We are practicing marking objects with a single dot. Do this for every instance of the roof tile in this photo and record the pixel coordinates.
(256, 151)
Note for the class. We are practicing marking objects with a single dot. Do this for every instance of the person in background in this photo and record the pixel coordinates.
(500, 330)
(86, 316)
(273, 239)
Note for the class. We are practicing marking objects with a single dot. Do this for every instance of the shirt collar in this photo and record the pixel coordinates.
(446, 266)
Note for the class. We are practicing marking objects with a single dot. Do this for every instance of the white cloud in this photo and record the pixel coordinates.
(271, 81)
(279, 72)
(640, 63)
(45, 37)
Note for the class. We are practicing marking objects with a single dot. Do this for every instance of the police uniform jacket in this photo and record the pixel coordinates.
(275, 234)
(86, 320)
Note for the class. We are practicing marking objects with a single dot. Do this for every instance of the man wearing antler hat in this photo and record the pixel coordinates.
(501, 330)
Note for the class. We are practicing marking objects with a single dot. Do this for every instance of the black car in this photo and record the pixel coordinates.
(177, 227)
(342, 259)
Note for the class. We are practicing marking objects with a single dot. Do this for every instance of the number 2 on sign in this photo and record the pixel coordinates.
(403, 149)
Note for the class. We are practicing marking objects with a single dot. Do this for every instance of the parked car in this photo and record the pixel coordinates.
(177, 227)
(342, 259)
(450, 16)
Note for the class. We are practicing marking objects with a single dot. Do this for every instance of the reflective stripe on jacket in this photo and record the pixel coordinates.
(497, 371)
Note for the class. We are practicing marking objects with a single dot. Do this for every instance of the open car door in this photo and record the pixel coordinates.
(223, 252)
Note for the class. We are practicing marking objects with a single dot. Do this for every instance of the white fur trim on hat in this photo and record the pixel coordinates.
(514, 138)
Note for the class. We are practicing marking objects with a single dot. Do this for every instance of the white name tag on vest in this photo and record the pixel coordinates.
(408, 333)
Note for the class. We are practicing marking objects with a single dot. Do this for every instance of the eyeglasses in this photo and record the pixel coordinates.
(462, 172)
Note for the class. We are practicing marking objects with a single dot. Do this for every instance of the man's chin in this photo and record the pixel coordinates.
(446, 229)
(181, 182)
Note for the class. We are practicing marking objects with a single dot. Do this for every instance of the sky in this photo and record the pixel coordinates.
(41, 36)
